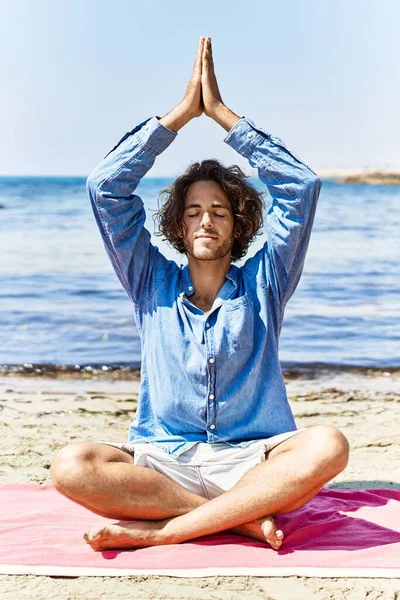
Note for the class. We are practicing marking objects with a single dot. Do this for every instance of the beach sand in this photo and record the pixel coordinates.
(40, 414)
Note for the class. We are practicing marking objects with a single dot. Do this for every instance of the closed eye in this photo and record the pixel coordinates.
(197, 214)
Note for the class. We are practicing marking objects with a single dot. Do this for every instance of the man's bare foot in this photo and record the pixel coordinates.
(264, 530)
(138, 534)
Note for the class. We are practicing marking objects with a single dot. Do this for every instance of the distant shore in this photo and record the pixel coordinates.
(367, 176)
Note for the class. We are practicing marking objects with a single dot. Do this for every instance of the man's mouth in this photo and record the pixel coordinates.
(207, 236)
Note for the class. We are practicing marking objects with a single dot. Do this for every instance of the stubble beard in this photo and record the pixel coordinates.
(209, 253)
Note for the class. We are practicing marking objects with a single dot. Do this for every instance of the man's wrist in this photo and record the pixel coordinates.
(176, 118)
(224, 116)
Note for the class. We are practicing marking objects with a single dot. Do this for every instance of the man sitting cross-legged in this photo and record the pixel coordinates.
(214, 445)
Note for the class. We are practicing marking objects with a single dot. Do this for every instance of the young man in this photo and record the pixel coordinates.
(214, 445)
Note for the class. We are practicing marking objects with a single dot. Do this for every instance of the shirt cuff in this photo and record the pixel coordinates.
(244, 137)
(155, 136)
(152, 136)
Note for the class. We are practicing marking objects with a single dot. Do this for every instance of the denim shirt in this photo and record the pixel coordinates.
(216, 377)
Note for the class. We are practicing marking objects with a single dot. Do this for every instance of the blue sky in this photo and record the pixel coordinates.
(76, 75)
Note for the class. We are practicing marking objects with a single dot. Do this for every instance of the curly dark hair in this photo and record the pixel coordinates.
(247, 204)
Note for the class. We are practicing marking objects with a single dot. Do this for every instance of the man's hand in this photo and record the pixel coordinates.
(212, 100)
(202, 94)
(192, 104)
(192, 100)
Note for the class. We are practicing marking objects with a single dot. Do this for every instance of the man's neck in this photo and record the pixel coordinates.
(208, 276)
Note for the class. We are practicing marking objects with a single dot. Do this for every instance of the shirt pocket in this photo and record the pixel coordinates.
(238, 331)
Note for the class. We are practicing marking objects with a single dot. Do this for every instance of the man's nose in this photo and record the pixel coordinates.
(206, 220)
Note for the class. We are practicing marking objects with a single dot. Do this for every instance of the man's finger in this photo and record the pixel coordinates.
(199, 56)
(209, 48)
(211, 54)
(207, 54)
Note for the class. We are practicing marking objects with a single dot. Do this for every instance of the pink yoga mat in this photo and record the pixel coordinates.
(340, 533)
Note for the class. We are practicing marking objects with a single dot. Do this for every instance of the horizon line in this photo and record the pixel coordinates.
(323, 172)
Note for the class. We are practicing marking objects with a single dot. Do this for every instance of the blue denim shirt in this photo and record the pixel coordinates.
(216, 377)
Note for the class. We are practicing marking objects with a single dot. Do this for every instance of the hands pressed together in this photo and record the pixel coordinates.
(202, 94)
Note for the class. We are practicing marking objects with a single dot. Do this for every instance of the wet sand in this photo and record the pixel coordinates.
(42, 412)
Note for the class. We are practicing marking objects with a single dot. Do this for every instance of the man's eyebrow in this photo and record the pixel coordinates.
(214, 205)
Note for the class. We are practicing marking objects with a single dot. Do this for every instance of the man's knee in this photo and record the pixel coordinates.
(70, 467)
(329, 449)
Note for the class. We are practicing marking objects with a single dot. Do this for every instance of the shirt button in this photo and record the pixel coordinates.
(211, 360)
(212, 426)
(208, 325)
(190, 287)
(211, 396)
(250, 134)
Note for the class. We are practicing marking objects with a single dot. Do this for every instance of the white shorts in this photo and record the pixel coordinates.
(208, 470)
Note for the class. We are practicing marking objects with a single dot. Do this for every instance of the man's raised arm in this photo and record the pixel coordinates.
(120, 213)
(294, 188)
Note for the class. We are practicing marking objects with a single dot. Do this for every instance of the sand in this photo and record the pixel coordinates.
(41, 413)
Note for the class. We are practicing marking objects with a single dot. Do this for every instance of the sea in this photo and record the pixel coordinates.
(62, 304)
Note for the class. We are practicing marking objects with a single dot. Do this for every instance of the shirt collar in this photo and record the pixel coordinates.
(187, 286)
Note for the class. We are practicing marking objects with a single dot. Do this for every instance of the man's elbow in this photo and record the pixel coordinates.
(93, 183)
(315, 184)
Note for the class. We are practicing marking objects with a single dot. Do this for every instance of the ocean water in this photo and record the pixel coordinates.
(61, 303)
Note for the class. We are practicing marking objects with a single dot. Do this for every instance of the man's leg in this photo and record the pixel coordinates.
(105, 480)
(292, 475)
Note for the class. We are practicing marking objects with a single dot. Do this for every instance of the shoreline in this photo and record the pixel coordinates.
(128, 372)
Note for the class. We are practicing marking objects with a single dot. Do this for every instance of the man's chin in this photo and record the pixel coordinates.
(207, 253)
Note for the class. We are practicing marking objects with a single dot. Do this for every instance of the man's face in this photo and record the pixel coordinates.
(209, 221)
